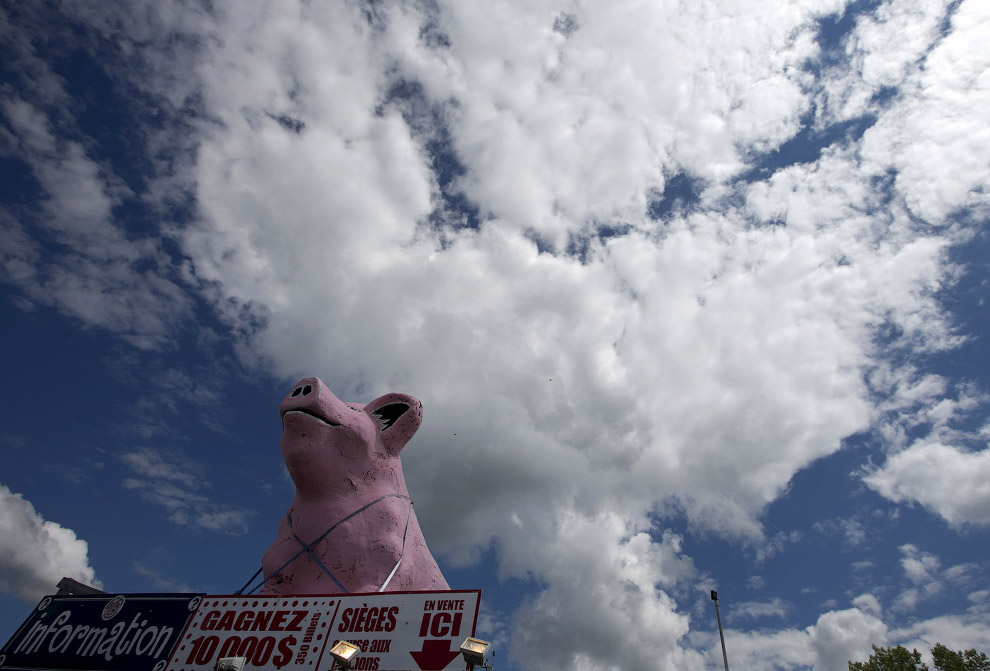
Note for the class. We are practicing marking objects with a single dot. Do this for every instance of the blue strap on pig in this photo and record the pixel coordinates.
(306, 547)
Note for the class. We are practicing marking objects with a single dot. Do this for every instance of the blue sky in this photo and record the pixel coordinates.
(694, 297)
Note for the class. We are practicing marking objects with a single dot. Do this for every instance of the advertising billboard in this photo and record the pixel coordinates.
(100, 632)
(395, 631)
(407, 631)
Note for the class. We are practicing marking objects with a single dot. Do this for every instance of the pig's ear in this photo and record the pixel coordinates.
(399, 416)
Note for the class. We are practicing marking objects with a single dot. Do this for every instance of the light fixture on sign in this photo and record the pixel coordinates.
(343, 653)
(473, 651)
(230, 664)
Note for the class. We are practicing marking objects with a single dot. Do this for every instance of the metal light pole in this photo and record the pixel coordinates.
(718, 616)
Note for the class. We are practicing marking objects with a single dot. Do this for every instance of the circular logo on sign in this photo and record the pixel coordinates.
(113, 607)
(45, 603)
(194, 603)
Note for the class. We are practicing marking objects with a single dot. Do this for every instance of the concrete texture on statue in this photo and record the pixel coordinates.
(351, 521)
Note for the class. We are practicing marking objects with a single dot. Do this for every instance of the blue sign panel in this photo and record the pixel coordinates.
(100, 632)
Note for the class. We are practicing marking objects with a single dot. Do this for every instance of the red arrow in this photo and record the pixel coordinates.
(435, 655)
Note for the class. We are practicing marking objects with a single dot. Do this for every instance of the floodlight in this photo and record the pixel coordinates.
(343, 653)
(473, 650)
(230, 664)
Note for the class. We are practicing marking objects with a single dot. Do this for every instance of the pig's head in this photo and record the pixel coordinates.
(331, 447)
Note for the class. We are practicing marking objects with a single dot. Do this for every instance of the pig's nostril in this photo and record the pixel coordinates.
(306, 390)
(296, 391)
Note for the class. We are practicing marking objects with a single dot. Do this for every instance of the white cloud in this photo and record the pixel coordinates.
(980, 599)
(602, 596)
(843, 635)
(922, 570)
(36, 553)
(694, 364)
(712, 355)
(828, 645)
(957, 632)
(558, 131)
(868, 604)
(889, 43)
(839, 636)
(947, 480)
(158, 581)
(756, 582)
(763, 650)
(933, 137)
(176, 484)
(928, 134)
(775, 607)
(927, 578)
(920, 567)
(93, 276)
(885, 49)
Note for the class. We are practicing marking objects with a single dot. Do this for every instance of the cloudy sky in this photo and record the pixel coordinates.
(694, 295)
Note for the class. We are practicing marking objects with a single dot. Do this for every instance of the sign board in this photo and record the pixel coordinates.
(407, 631)
(100, 632)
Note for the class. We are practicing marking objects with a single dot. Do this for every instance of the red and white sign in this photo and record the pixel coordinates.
(396, 631)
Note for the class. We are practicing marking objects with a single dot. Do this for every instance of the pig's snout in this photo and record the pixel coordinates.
(308, 391)
(310, 397)
(304, 390)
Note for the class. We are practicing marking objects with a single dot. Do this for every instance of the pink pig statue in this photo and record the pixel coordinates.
(351, 527)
